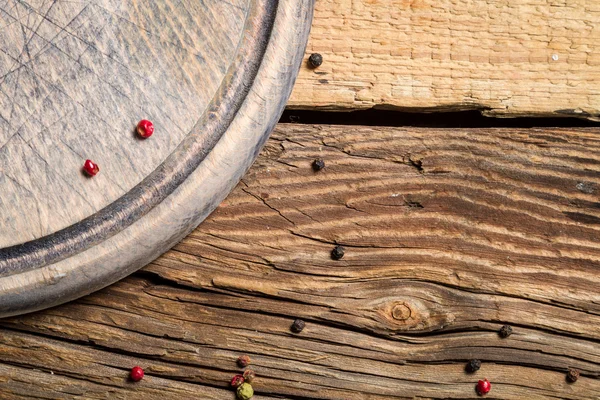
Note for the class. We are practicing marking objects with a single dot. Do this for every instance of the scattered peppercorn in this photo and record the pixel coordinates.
(136, 374)
(237, 380)
(337, 253)
(572, 375)
(483, 387)
(298, 326)
(145, 128)
(90, 168)
(318, 164)
(473, 366)
(315, 60)
(505, 331)
(249, 375)
(243, 361)
(245, 391)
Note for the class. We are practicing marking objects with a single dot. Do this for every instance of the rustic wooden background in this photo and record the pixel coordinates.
(449, 233)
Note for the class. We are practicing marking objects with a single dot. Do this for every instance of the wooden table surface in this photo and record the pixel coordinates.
(449, 233)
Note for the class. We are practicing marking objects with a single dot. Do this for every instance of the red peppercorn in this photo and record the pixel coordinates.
(249, 376)
(136, 374)
(237, 380)
(483, 387)
(145, 128)
(243, 361)
(90, 168)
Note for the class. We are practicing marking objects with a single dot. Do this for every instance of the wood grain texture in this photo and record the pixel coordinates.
(449, 234)
(504, 58)
(77, 76)
(176, 196)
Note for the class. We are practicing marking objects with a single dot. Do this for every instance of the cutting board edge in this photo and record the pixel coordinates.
(182, 211)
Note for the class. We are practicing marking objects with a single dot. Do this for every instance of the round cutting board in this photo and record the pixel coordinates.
(76, 77)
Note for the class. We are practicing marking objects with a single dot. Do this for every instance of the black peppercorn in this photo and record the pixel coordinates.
(315, 60)
(298, 326)
(572, 375)
(505, 331)
(318, 164)
(337, 253)
(473, 366)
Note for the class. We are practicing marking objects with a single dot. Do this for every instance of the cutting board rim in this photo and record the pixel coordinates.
(168, 175)
(31, 274)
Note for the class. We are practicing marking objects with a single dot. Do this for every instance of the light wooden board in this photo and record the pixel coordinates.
(461, 230)
(77, 76)
(214, 76)
(505, 57)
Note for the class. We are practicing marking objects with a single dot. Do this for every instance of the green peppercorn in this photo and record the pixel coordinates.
(245, 391)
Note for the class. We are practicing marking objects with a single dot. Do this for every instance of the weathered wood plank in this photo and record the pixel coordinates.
(24, 383)
(449, 234)
(504, 57)
(234, 71)
(177, 339)
(76, 79)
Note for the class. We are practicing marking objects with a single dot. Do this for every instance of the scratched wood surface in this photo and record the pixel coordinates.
(449, 234)
(502, 57)
(214, 76)
(77, 76)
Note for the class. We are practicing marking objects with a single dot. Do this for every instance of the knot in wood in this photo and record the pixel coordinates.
(401, 312)
(402, 315)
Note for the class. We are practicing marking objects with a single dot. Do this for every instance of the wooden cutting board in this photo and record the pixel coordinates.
(75, 79)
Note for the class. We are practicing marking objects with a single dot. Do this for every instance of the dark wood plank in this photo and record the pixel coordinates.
(449, 234)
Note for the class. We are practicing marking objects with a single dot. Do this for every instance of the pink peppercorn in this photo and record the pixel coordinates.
(237, 380)
(483, 387)
(136, 374)
(90, 168)
(243, 361)
(145, 128)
